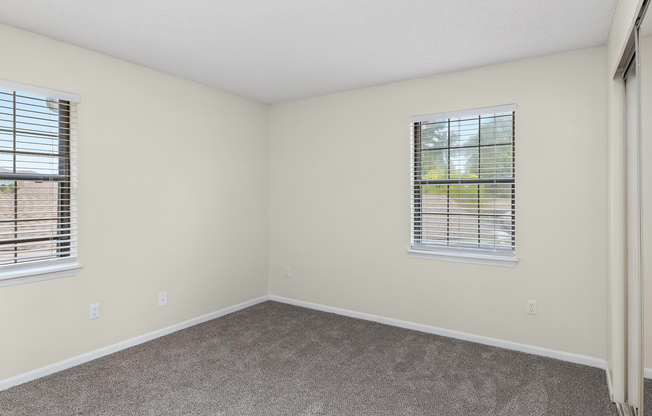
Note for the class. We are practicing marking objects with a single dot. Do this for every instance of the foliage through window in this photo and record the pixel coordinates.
(463, 193)
(37, 180)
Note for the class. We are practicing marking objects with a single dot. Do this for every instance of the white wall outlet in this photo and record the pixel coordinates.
(531, 307)
(95, 311)
(162, 299)
(288, 272)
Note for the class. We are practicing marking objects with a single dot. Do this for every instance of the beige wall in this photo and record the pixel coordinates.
(172, 196)
(340, 204)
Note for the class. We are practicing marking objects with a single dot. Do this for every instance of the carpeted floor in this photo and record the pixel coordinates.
(277, 359)
(647, 397)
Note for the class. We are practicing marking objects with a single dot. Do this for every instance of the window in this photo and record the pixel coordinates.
(463, 190)
(38, 226)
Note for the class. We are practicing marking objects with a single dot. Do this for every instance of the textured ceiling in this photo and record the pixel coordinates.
(281, 50)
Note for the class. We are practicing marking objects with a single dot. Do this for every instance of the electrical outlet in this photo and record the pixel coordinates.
(162, 299)
(95, 311)
(531, 307)
(288, 272)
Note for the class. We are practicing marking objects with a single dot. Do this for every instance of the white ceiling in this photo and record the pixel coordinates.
(281, 50)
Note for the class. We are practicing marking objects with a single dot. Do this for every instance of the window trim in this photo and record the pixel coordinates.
(38, 271)
(460, 257)
(44, 92)
(505, 258)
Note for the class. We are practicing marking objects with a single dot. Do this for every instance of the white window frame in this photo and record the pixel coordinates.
(52, 268)
(505, 258)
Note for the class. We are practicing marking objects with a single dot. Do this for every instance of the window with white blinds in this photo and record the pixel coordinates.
(463, 190)
(37, 179)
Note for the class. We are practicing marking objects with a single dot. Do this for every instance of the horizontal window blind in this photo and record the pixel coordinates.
(463, 190)
(37, 179)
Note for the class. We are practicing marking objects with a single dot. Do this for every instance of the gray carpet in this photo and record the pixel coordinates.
(647, 397)
(276, 359)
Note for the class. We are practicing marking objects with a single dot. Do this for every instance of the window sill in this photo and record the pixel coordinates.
(38, 273)
(485, 259)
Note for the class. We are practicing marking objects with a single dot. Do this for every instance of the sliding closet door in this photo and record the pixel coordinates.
(646, 119)
(634, 334)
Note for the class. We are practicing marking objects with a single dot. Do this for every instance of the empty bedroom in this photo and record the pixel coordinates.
(417, 207)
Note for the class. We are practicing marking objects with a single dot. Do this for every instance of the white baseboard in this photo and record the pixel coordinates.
(80, 359)
(647, 372)
(610, 387)
(530, 349)
(92, 355)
